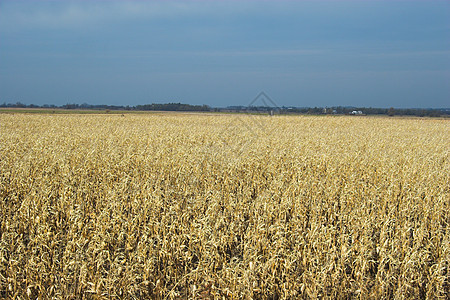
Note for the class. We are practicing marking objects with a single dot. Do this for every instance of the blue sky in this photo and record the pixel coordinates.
(220, 53)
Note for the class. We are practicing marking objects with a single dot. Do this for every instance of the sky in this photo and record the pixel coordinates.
(223, 53)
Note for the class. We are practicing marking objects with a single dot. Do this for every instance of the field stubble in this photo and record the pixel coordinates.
(179, 206)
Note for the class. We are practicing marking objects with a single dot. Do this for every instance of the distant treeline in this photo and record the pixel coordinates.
(153, 106)
(338, 110)
(370, 111)
(173, 107)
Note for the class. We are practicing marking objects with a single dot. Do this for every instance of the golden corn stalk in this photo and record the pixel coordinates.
(162, 206)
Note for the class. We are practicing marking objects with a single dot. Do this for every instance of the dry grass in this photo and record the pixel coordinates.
(197, 206)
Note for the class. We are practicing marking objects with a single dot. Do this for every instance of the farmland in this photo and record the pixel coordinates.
(223, 206)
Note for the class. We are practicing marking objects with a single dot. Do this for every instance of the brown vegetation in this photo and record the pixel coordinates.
(196, 206)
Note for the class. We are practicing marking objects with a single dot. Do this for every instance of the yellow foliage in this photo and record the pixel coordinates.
(223, 206)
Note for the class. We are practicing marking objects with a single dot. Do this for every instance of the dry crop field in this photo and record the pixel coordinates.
(223, 206)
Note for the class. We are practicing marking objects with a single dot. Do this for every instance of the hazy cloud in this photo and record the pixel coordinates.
(69, 14)
(224, 52)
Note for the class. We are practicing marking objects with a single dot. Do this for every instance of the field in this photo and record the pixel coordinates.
(223, 206)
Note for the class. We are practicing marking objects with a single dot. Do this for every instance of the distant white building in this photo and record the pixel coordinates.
(356, 112)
